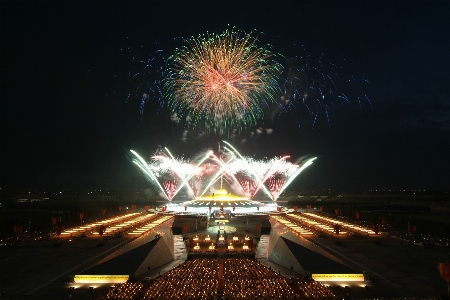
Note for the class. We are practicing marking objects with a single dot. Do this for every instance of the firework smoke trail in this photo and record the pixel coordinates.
(220, 81)
(143, 166)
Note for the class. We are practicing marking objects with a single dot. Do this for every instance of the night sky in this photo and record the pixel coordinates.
(65, 118)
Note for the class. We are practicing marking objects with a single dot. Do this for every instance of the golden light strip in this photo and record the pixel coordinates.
(345, 224)
(131, 218)
(152, 224)
(294, 227)
(338, 277)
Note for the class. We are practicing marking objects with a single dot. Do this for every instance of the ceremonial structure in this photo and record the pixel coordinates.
(222, 203)
(203, 240)
(153, 253)
(217, 258)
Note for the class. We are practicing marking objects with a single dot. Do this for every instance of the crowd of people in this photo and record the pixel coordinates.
(128, 290)
(316, 290)
(195, 279)
(243, 278)
(247, 279)
(198, 278)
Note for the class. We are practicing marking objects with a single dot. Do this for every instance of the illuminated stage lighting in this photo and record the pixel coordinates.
(101, 278)
(338, 277)
(228, 229)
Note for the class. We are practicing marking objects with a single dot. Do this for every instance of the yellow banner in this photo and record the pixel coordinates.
(338, 277)
(101, 278)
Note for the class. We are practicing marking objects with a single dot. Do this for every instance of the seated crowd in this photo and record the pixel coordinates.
(316, 290)
(243, 278)
(251, 280)
(128, 290)
(195, 279)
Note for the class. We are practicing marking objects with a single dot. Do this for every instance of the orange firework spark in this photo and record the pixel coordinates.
(220, 81)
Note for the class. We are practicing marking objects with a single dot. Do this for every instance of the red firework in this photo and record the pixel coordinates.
(171, 187)
(248, 185)
(275, 184)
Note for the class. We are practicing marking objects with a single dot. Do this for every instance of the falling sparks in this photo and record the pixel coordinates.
(170, 174)
(220, 81)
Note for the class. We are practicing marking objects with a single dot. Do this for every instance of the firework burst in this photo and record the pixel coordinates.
(245, 175)
(220, 82)
(140, 70)
(311, 87)
(229, 83)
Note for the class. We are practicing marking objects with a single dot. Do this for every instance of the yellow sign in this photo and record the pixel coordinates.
(338, 277)
(101, 278)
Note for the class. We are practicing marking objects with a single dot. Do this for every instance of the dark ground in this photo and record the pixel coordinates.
(39, 271)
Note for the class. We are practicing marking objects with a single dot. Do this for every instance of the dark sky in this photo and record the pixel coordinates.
(65, 119)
